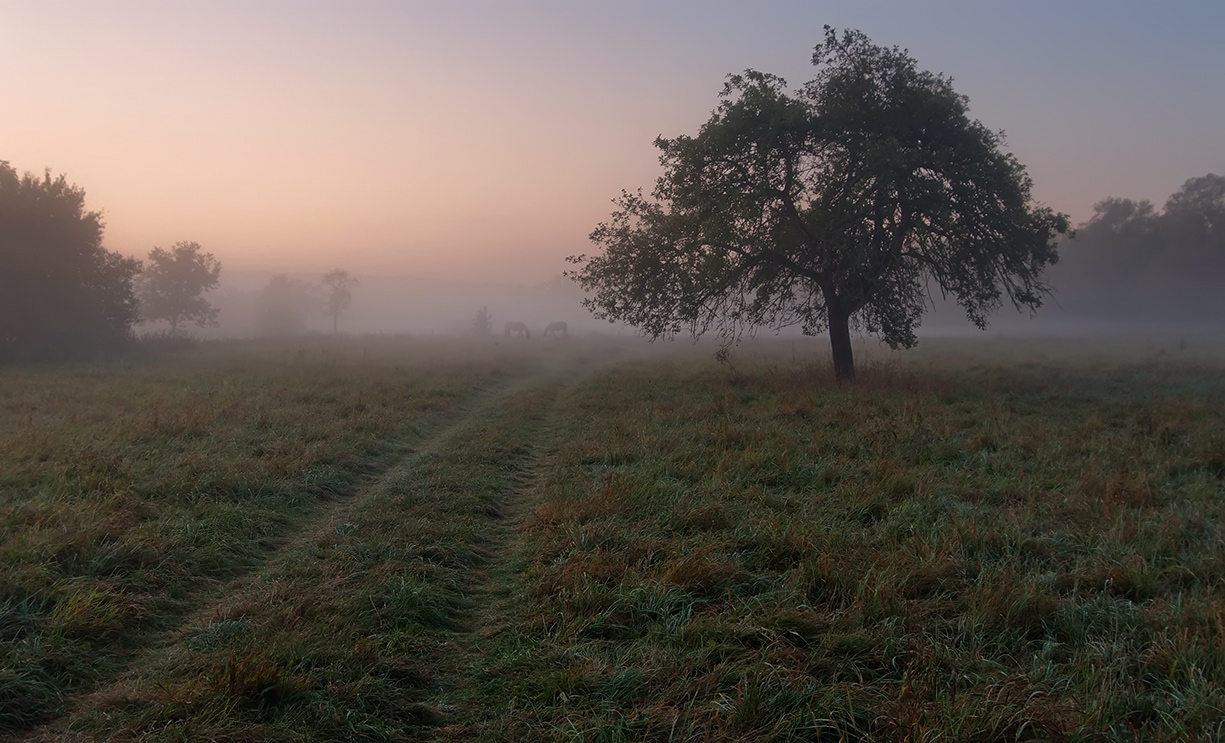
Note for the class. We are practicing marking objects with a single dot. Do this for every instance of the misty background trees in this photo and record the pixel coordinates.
(172, 286)
(1134, 263)
(283, 307)
(839, 206)
(62, 294)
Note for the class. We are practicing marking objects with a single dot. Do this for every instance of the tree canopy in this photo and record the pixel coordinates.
(62, 294)
(172, 286)
(842, 205)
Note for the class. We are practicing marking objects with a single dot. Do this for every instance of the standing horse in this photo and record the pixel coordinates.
(519, 329)
(556, 328)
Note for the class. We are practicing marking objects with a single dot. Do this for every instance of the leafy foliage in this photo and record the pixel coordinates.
(172, 285)
(61, 293)
(838, 206)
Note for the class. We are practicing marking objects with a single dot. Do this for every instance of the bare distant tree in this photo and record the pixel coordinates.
(172, 285)
(339, 284)
(482, 323)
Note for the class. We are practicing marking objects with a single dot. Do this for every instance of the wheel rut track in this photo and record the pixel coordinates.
(491, 609)
(494, 548)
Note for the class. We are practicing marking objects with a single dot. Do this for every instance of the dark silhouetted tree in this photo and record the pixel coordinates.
(339, 285)
(173, 283)
(839, 206)
(283, 306)
(62, 295)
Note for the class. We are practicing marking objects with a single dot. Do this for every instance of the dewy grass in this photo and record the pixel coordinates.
(978, 541)
(340, 634)
(1000, 552)
(127, 492)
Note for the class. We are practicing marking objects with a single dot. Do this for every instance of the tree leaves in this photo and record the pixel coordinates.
(843, 204)
(173, 283)
(62, 294)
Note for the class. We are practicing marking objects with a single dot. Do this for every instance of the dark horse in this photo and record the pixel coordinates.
(519, 329)
(556, 328)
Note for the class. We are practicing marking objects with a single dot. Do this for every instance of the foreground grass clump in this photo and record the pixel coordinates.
(1021, 552)
(128, 492)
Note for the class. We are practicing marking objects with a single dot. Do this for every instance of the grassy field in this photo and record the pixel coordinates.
(435, 540)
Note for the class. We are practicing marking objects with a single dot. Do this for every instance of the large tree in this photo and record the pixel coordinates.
(173, 284)
(62, 294)
(842, 205)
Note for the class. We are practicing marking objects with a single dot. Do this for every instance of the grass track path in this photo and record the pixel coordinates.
(490, 614)
(486, 584)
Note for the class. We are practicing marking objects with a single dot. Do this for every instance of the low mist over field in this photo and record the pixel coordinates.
(409, 305)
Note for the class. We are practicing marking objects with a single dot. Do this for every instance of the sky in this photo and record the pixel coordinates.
(483, 141)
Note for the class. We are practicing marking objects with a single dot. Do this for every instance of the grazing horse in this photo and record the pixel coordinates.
(556, 328)
(519, 329)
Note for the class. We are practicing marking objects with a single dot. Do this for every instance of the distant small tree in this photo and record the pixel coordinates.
(482, 323)
(282, 306)
(62, 294)
(339, 285)
(172, 286)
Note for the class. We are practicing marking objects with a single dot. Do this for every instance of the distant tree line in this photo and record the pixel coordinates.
(284, 306)
(65, 296)
(1133, 262)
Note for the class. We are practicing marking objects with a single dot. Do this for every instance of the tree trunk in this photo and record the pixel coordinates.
(335, 320)
(840, 344)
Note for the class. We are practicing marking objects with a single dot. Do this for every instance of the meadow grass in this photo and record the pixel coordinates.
(130, 490)
(983, 540)
(949, 548)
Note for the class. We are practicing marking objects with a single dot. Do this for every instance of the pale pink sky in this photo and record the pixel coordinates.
(485, 140)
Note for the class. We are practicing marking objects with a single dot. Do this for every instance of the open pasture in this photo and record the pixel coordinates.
(424, 539)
